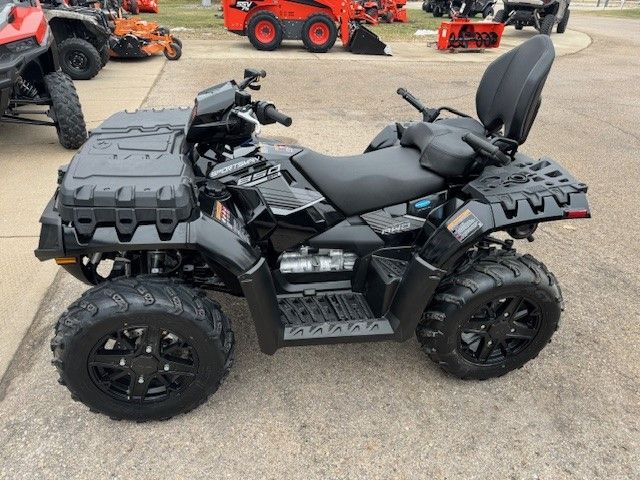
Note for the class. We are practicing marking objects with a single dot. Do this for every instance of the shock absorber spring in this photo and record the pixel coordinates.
(25, 88)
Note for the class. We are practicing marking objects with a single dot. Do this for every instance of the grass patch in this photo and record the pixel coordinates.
(417, 20)
(208, 21)
(187, 14)
(615, 12)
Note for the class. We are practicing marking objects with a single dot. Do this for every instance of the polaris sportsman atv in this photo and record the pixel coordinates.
(31, 83)
(543, 15)
(160, 205)
(82, 35)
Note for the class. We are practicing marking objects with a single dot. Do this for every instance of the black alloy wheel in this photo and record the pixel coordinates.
(142, 364)
(502, 328)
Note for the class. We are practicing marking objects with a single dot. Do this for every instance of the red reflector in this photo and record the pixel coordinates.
(576, 214)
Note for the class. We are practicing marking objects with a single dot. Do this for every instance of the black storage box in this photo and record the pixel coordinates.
(130, 171)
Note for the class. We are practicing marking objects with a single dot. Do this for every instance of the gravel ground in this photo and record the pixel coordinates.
(383, 410)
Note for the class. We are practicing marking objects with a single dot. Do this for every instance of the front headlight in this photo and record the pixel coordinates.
(23, 45)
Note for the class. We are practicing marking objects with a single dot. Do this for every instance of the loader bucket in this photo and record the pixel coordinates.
(364, 42)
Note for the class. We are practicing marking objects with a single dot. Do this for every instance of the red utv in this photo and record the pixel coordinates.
(32, 86)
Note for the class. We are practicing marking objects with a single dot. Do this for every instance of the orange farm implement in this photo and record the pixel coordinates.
(135, 38)
(462, 34)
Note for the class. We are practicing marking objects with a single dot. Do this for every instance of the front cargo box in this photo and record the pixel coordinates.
(130, 171)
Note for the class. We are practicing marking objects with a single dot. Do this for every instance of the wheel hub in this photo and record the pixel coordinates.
(78, 60)
(499, 330)
(144, 365)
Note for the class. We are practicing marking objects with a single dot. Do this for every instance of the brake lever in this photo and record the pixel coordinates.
(248, 116)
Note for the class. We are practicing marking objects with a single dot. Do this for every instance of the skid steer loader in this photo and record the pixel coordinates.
(317, 23)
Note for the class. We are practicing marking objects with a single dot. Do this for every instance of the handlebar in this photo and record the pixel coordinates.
(413, 101)
(486, 148)
(274, 114)
(428, 114)
(267, 113)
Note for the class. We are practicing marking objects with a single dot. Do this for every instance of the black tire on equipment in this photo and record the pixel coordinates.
(177, 52)
(487, 276)
(500, 16)
(437, 11)
(562, 25)
(333, 33)
(85, 48)
(488, 11)
(251, 26)
(177, 41)
(518, 26)
(133, 7)
(65, 106)
(162, 303)
(547, 23)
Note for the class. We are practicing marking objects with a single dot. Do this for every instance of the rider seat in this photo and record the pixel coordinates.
(507, 101)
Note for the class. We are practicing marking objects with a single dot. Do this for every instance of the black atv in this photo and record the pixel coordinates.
(82, 35)
(440, 8)
(543, 15)
(31, 83)
(383, 245)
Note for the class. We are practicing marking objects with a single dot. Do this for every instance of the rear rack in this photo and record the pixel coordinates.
(525, 180)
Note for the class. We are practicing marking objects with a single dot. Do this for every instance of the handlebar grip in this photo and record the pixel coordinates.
(273, 113)
(483, 146)
(478, 144)
(413, 101)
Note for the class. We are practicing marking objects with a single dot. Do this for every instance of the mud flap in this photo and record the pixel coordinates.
(364, 42)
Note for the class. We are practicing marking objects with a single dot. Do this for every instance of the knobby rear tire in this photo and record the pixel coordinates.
(488, 275)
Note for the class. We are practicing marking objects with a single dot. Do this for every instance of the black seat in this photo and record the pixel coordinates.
(507, 100)
(362, 183)
(508, 97)
(441, 148)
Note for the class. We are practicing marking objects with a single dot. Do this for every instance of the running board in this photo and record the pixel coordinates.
(333, 315)
(394, 295)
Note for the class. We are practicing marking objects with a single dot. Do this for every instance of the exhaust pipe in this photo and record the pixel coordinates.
(364, 42)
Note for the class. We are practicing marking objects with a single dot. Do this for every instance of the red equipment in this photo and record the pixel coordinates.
(375, 11)
(462, 34)
(32, 86)
(140, 6)
(318, 23)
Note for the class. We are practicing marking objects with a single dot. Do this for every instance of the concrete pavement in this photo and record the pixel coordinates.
(29, 159)
(383, 410)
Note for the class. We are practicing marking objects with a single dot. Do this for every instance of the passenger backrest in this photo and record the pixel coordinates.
(509, 93)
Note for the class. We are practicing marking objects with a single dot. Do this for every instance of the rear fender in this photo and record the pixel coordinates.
(524, 192)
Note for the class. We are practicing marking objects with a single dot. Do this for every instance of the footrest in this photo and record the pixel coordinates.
(343, 314)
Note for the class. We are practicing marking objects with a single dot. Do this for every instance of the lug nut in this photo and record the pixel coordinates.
(483, 327)
(122, 362)
(140, 379)
(513, 330)
(148, 349)
(489, 342)
(506, 314)
(166, 367)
